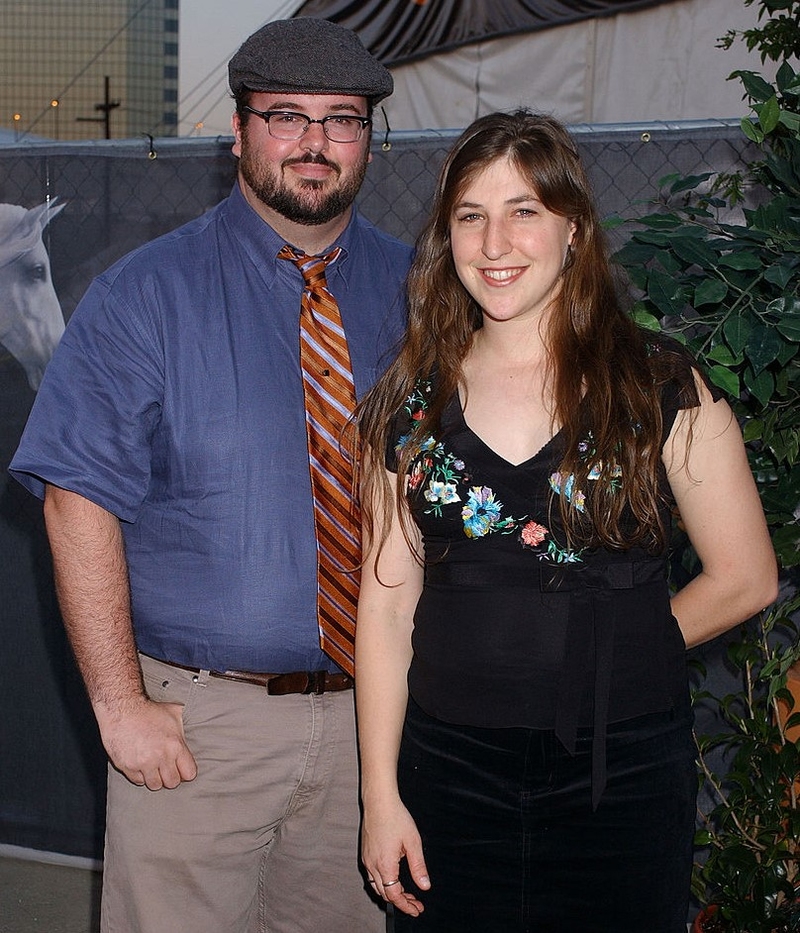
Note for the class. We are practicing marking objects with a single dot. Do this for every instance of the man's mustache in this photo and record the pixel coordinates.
(317, 158)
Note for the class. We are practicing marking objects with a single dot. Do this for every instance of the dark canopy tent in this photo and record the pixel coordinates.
(402, 31)
(586, 61)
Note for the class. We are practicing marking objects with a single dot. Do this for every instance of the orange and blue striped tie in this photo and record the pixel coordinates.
(329, 399)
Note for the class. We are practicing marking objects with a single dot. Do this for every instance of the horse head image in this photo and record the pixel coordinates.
(31, 322)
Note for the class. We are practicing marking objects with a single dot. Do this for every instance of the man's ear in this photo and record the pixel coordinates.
(236, 125)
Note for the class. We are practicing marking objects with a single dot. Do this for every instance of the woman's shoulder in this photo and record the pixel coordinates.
(413, 410)
(674, 370)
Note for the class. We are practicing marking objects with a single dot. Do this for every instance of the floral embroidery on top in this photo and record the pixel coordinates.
(441, 473)
(443, 479)
(481, 514)
(533, 535)
(566, 488)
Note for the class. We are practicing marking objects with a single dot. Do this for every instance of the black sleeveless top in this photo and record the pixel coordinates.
(514, 629)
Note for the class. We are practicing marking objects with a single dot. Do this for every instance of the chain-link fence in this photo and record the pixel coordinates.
(121, 194)
(118, 195)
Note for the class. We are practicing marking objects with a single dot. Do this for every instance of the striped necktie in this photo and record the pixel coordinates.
(329, 401)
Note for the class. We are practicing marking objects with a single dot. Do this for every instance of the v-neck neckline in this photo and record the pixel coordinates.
(456, 412)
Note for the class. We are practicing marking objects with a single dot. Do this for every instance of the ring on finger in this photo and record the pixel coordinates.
(388, 884)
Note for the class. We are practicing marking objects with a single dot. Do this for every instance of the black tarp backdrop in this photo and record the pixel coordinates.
(399, 31)
(118, 195)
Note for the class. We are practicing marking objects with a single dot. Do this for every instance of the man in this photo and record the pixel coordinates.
(169, 441)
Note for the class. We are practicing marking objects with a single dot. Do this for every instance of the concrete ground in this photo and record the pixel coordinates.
(59, 895)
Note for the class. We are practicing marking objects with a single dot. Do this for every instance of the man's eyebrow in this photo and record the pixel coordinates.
(295, 107)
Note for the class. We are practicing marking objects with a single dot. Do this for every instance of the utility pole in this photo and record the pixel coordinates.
(105, 108)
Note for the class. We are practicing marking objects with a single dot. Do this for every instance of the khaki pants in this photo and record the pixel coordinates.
(264, 840)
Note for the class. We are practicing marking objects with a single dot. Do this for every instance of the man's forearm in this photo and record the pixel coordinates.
(91, 580)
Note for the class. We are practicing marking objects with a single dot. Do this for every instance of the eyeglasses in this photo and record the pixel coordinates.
(285, 124)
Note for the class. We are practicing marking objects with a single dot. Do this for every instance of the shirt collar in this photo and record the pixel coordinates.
(262, 243)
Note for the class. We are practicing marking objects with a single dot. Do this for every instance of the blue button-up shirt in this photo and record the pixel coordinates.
(175, 401)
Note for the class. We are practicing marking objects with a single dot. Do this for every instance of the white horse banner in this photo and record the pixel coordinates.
(31, 322)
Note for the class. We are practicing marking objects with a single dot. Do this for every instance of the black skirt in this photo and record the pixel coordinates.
(513, 844)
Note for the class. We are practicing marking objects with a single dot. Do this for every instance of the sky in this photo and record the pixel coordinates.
(210, 32)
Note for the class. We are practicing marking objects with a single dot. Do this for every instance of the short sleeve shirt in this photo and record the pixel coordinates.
(514, 627)
(175, 402)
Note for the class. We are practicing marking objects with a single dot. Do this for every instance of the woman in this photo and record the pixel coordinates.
(522, 693)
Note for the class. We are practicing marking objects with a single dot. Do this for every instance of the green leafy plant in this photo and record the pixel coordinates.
(716, 263)
(778, 38)
(731, 292)
(750, 831)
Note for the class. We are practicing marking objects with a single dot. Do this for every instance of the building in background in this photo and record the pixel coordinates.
(88, 69)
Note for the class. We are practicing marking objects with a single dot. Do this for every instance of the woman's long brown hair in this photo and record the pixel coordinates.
(598, 366)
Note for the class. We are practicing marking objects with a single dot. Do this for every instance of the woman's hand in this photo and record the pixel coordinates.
(389, 835)
(386, 607)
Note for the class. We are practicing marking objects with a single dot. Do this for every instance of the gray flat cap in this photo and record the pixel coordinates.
(308, 56)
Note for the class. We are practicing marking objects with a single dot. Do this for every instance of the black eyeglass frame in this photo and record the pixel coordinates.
(265, 115)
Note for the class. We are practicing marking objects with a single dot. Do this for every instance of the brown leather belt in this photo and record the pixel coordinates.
(279, 685)
(316, 682)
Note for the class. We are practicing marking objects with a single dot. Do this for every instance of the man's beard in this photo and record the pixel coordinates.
(310, 205)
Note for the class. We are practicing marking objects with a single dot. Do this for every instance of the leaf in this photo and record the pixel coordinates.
(660, 221)
(666, 180)
(773, 216)
(786, 304)
(751, 131)
(688, 182)
(769, 114)
(785, 78)
(763, 347)
(761, 385)
(722, 354)
(656, 237)
(694, 251)
(785, 445)
(669, 262)
(737, 330)
(790, 120)
(634, 253)
(793, 720)
(790, 329)
(746, 237)
(755, 86)
(780, 274)
(703, 838)
(786, 542)
(726, 379)
(789, 352)
(752, 430)
(710, 292)
(637, 276)
(740, 260)
(665, 292)
(645, 319)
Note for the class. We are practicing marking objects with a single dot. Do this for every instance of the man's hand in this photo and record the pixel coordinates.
(144, 740)
(146, 743)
